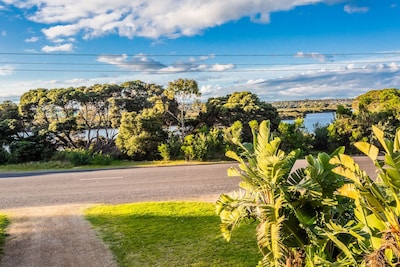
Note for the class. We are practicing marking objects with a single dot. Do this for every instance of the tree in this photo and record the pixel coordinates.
(378, 107)
(239, 106)
(140, 134)
(138, 95)
(184, 92)
(294, 135)
(10, 122)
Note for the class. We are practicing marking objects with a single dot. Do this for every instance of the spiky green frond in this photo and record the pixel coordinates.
(234, 209)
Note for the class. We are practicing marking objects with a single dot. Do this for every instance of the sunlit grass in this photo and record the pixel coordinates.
(3, 224)
(171, 234)
(60, 165)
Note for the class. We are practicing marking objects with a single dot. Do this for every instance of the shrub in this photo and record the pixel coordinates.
(164, 152)
(81, 157)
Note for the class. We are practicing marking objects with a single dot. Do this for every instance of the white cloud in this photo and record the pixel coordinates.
(347, 81)
(33, 39)
(58, 48)
(3, 33)
(136, 63)
(355, 9)
(146, 18)
(142, 63)
(313, 55)
(6, 70)
(255, 81)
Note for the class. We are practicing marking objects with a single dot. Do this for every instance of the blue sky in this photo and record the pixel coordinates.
(280, 50)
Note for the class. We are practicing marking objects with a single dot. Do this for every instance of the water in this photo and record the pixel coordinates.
(311, 119)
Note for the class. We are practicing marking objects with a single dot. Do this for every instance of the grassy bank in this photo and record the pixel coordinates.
(171, 234)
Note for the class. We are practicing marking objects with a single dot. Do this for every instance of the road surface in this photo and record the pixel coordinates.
(123, 185)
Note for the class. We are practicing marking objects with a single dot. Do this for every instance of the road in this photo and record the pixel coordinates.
(123, 185)
(115, 185)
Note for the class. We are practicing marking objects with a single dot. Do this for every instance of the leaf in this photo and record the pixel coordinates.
(349, 190)
(341, 246)
(370, 150)
(233, 172)
(379, 134)
(233, 155)
(397, 141)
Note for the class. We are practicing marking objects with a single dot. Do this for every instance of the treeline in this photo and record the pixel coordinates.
(135, 120)
(143, 121)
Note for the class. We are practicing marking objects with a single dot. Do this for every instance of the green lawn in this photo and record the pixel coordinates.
(172, 234)
(3, 225)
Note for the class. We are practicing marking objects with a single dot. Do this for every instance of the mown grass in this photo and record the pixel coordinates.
(171, 234)
(3, 225)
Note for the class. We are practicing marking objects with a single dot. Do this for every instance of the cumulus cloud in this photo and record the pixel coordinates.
(58, 48)
(355, 9)
(33, 39)
(146, 18)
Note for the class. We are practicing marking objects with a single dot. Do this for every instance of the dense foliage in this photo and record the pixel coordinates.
(142, 121)
(377, 107)
(329, 213)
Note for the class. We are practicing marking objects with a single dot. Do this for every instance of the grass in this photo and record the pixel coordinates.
(3, 225)
(60, 165)
(172, 234)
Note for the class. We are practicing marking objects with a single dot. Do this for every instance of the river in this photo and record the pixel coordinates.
(311, 119)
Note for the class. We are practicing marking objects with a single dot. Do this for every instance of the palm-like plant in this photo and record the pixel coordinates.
(377, 204)
(291, 208)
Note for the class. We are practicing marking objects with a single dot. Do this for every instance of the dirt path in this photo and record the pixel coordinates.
(53, 236)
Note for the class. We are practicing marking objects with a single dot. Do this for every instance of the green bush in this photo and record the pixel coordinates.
(81, 157)
(99, 158)
(164, 152)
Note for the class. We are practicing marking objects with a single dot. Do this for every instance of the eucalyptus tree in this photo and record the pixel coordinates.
(99, 114)
(140, 134)
(240, 106)
(138, 95)
(185, 92)
(10, 122)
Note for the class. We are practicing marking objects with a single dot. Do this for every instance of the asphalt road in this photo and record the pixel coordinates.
(123, 185)
(115, 185)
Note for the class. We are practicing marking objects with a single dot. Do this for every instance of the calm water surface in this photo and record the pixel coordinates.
(312, 119)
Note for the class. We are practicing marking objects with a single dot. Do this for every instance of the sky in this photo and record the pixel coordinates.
(279, 50)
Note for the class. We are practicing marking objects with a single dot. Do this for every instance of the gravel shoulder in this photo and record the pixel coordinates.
(53, 236)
